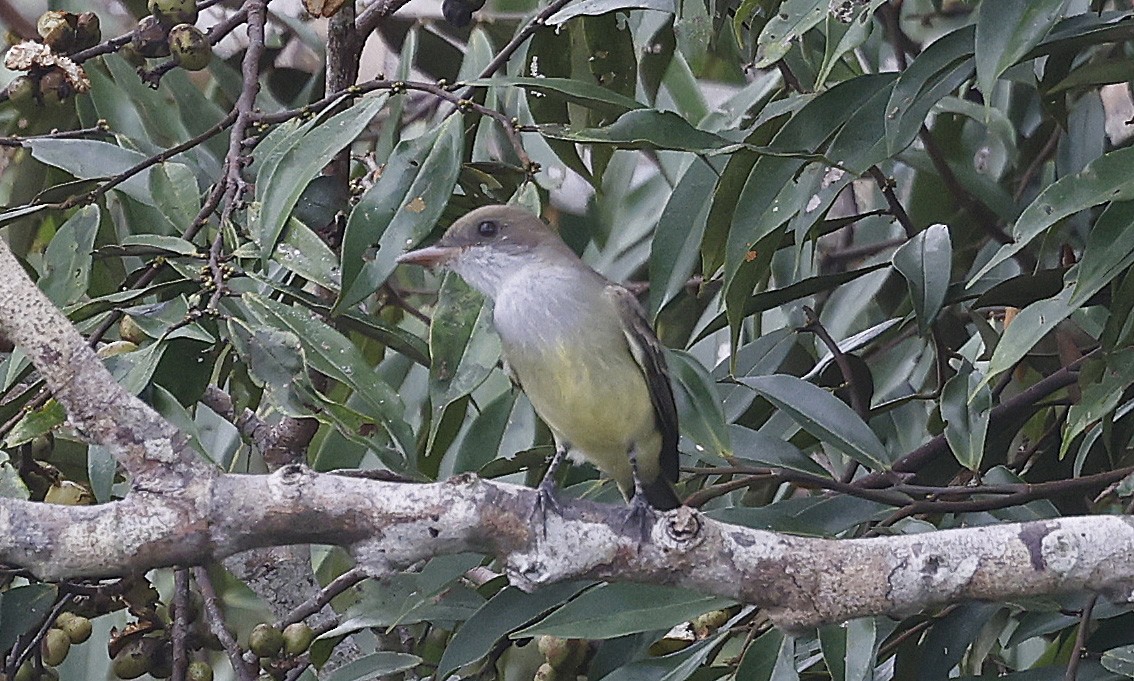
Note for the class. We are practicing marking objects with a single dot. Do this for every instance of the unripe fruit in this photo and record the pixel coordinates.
(120, 347)
(49, 674)
(54, 647)
(21, 93)
(128, 330)
(26, 672)
(134, 658)
(199, 671)
(707, 623)
(265, 640)
(555, 650)
(54, 88)
(149, 38)
(297, 638)
(77, 628)
(57, 29)
(172, 12)
(133, 57)
(88, 31)
(189, 47)
(546, 673)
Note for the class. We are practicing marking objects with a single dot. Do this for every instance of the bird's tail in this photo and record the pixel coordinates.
(660, 494)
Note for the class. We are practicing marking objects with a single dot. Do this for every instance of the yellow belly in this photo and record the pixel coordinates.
(600, 406)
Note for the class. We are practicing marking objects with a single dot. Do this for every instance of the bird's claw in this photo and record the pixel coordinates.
(640, 515)
(545, 502)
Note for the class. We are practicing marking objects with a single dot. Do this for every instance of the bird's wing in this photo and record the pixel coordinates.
(647, 352)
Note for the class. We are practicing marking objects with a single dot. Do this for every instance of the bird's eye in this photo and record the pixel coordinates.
(487, 228)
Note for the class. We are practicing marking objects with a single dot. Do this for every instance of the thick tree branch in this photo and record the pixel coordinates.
(800, 581)
(150, 448)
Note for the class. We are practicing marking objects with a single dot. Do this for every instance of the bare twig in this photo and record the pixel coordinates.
(338, 585)
(1080, 648)
(215, 618)
(180, 623)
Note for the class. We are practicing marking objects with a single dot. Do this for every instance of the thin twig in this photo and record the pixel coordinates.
(338, 585)
(180, 623)
(217, 625)
(886, 185)
(1080, 639)
(523, 34)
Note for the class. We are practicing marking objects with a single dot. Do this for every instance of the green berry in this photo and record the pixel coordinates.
(22, 93)
(265, 640)
(77, 628)
(297, 638)
(199, 671)
(149, 39)
(172, 12)
(54, 647)
(189, 47)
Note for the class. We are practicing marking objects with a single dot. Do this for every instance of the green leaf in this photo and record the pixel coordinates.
(766, 300)
(810, 128)
(1119, 660)
(643, 129)
(792, 19)
(23, 608)
(925, 261)
(1101, 396)
(278, 187)
(824, 416)
(702, 418)
(679, 666)
(91, 159)
(675, 251)
(374, 665)
(35, 423)
(576, 91)
(462, 346)
(966, 403)
(1006, 30)
(765, 450)
(936, 72)
(12, 486)
(174, 190)
(1028, 328)
(148, 245)
(613, 610)
(1109, 250)
(399, 209)
(1108, 178)
(334, 355)
(303, 252)
(482, 441)
(771, 657)
(596, 7)
(395, 337)
(505, 612)
(101, 468)
(67, 260)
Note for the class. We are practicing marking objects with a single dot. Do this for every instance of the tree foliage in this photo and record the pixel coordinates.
(889, 245)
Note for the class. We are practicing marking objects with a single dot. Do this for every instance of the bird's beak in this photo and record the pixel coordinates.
(430, 256)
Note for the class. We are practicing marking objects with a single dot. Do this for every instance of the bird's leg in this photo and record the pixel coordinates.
(640, 512)
(545, 491)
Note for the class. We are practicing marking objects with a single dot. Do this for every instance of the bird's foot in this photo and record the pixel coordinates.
(545, 502)
(639, 517)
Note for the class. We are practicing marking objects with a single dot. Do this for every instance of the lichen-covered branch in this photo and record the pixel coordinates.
(800, 581)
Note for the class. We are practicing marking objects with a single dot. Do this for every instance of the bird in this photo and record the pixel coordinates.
(577, 344)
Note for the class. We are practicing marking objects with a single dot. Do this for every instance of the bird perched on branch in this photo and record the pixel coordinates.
(577, 344)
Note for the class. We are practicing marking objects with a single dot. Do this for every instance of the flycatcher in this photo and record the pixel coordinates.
(577, 344)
